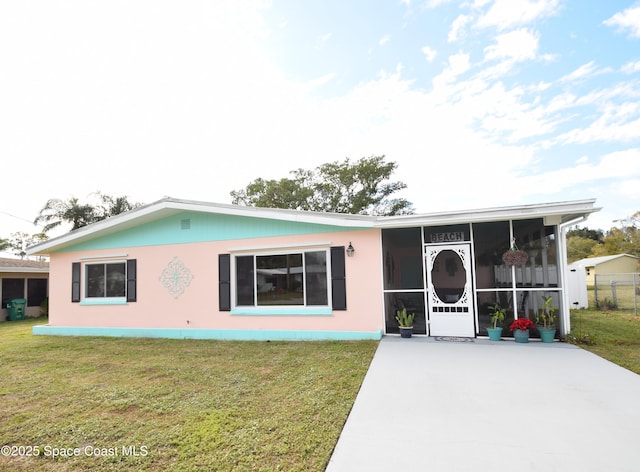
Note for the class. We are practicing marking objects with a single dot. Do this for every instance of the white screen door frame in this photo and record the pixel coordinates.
(450, 290)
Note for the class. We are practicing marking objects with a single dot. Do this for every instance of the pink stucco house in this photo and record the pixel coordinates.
(189, 269)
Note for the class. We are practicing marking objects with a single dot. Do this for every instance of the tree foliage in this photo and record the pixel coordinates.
(57, 212)
(360, 187)
(20, 241)
(583, 242)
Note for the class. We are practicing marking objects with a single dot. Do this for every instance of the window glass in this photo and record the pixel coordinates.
(316, 278)
(105, 280)
(281, 278)
(12, 288)
(490, 241)
(402, 249)
(36, 291)
(115, 279)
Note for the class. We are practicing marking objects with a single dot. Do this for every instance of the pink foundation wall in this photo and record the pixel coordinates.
(197, 306)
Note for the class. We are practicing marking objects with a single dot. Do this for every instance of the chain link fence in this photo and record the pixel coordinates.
(617, 292)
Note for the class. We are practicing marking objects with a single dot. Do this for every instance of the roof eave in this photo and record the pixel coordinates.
(170, 206)
(555, 213)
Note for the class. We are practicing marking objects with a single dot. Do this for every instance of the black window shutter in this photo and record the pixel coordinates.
(224, 282)
(338, 281)
(75, 281)
(132, 293)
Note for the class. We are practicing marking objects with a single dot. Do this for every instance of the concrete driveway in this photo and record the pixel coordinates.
(429, 405)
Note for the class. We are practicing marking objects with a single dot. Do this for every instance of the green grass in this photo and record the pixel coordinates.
(193, 405)
(616, 335)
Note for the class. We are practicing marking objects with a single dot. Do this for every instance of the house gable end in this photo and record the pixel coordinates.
(193, 227)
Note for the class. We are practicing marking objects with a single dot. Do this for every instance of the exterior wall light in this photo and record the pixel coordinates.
(350, 250)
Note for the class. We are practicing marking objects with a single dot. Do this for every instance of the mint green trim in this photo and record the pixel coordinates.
(217, 334)
(282, 311)
(104, 301)
(203, 227)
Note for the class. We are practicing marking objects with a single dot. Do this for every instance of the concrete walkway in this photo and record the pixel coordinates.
(439, 406)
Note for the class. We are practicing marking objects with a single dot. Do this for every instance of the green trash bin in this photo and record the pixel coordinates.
(15, 308)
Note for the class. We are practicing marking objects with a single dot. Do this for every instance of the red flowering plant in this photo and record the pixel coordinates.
(521, 324)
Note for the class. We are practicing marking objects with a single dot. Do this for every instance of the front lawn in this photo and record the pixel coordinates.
(615, 334)
(184, 405)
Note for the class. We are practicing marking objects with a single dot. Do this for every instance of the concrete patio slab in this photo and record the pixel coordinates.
(428, 405)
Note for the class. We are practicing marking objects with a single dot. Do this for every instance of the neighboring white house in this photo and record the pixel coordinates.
(616, 264)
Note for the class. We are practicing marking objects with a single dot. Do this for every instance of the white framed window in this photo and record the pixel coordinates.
(282, 279)
(105, 280)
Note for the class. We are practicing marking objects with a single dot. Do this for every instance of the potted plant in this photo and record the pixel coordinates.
(514, 256)
(405, 321)
(520, 328)
(497, 318)
(546, 320)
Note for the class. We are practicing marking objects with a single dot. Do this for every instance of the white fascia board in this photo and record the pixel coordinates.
(561, 212)
(169, 206)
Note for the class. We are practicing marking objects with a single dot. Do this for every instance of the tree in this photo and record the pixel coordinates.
(20, 241)
(361, 187)
(595, 234)
(579, 247)
(582, 243)
(56, 211)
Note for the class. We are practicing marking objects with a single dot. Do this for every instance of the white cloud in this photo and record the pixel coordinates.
(627, 21)
(436, 3)
(518, 45)
(615, 124)
(505, 14)
(631, 67)
(458, 64)
(320, 81)
(457, 27)
(628, 189)
(384, 40)
(585, 70)
(429, 53)
(617, 165)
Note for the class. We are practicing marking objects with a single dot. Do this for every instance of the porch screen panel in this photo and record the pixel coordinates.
(402, 259)
(413, 302)
(490, 241)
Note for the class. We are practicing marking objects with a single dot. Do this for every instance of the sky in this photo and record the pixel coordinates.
(481, 103)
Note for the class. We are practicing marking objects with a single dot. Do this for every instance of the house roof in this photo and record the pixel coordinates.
(594, 261)
(21, 265)
(553, 213)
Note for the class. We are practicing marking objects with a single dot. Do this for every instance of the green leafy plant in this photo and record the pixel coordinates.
(606, 305)
(547, 316)
(586, 338)
(497, 314)
(405, 320)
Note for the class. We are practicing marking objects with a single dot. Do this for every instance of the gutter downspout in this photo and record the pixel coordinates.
(563, 265)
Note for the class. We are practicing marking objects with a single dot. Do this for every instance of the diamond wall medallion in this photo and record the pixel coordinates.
(176, 277)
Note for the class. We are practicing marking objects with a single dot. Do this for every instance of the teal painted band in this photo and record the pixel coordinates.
(104, 301)
(280, 311)
(217, 334)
